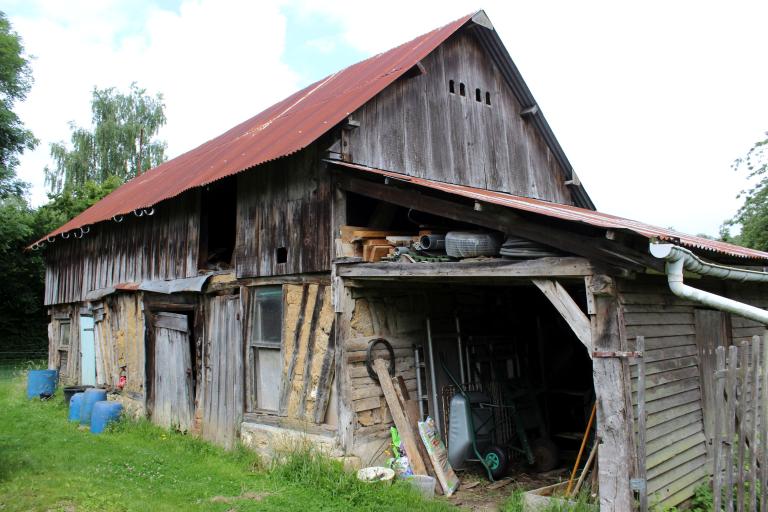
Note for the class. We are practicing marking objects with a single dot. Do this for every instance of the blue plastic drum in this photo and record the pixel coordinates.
(75, 403)
(103, 414)
(91, 397)
(41, 383)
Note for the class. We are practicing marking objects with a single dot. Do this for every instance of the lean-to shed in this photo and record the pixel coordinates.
(234, 290)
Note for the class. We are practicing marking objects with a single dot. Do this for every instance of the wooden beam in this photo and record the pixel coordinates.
(407, 434)
(568, 309)
(505, 220)
(613, 428)
(542, 267)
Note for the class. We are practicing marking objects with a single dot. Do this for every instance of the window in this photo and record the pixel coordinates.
(451, 87)
(264, 356)
(64, 334)
(462, 89)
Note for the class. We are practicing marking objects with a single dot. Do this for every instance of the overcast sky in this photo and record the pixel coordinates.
(652, 101)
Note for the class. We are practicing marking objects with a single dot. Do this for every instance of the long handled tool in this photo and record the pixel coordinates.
(581, 450)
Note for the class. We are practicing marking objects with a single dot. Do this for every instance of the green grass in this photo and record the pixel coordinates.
(47, 463)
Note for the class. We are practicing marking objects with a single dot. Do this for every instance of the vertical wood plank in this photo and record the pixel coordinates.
(742, 420)
(730, 426)
(641, 424)
(764, 425)
(753, 421)
(718, 429)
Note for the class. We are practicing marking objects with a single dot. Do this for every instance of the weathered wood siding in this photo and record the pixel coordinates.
(308, 351)
(120, 343)
(754, 294)
(676, 451)
(417, 127)
(161, 246)
(65, 358)
(223, 370)
(284, 204)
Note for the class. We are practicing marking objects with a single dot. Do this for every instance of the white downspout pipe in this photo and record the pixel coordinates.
(679, 260)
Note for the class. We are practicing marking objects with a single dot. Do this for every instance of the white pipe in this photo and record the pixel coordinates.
(679, 259)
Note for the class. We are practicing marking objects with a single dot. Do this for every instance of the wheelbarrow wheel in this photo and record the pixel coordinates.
(545, 455)
(496, 460)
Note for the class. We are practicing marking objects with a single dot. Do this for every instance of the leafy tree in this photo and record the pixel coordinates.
(70, 202)
(15, 82)
(753, 214)
(120, 143)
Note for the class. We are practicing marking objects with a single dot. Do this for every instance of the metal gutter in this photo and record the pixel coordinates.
(680, 259)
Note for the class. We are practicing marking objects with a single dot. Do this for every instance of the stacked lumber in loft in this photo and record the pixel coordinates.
(370, 244)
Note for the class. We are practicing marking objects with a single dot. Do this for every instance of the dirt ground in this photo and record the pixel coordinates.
(477, 494)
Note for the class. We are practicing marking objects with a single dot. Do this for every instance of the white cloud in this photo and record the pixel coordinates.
(217, 63)
(651, 101)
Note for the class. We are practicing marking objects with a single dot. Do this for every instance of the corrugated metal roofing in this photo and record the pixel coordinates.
(570, 213)
(280, 130)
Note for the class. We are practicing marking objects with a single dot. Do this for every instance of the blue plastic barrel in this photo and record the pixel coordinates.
(103, 414)
(91, 397)
(75, 403)
(41, 382)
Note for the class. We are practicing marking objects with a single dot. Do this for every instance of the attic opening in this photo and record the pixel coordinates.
(218, 217)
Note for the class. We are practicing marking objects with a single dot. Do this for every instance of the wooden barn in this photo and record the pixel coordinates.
(418, 197)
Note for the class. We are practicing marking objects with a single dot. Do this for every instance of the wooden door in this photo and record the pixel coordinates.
(172, 380)
(712, 331)
(87, 352)
(223, 387)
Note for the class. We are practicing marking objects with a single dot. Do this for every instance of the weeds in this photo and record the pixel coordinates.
(47, 463)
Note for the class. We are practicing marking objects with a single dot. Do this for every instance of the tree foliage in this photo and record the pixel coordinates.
(752, 217)
(15, 82)
(120, 143)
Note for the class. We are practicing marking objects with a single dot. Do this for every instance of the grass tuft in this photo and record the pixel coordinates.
(47, 463)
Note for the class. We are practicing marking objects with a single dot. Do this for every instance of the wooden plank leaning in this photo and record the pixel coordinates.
(407, 435)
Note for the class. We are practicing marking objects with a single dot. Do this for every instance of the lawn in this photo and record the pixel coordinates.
(47, 463)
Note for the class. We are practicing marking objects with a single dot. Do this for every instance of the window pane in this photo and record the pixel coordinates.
(64, 334)
(267, 314)
(268, 378)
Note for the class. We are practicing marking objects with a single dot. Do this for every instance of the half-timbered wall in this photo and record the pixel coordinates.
(161, 246)
(283, 214)
(417, 126)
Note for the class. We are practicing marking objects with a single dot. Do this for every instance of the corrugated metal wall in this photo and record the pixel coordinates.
(163, 246)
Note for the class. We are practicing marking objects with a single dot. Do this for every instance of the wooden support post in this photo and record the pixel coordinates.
(407, 435)
(568, 309)
(613, 404)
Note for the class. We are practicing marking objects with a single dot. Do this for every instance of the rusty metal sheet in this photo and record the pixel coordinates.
(280, 130)
(570, 213)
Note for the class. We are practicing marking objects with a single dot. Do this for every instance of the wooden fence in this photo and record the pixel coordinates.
(741, 428)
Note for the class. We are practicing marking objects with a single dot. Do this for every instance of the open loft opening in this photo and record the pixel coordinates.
(498, 352)
(377, 230)
(218, 222)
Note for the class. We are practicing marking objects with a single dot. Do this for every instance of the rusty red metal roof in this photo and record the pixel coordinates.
(571, 213)
(278, 131)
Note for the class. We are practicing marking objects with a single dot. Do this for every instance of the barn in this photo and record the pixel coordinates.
(418, 197)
